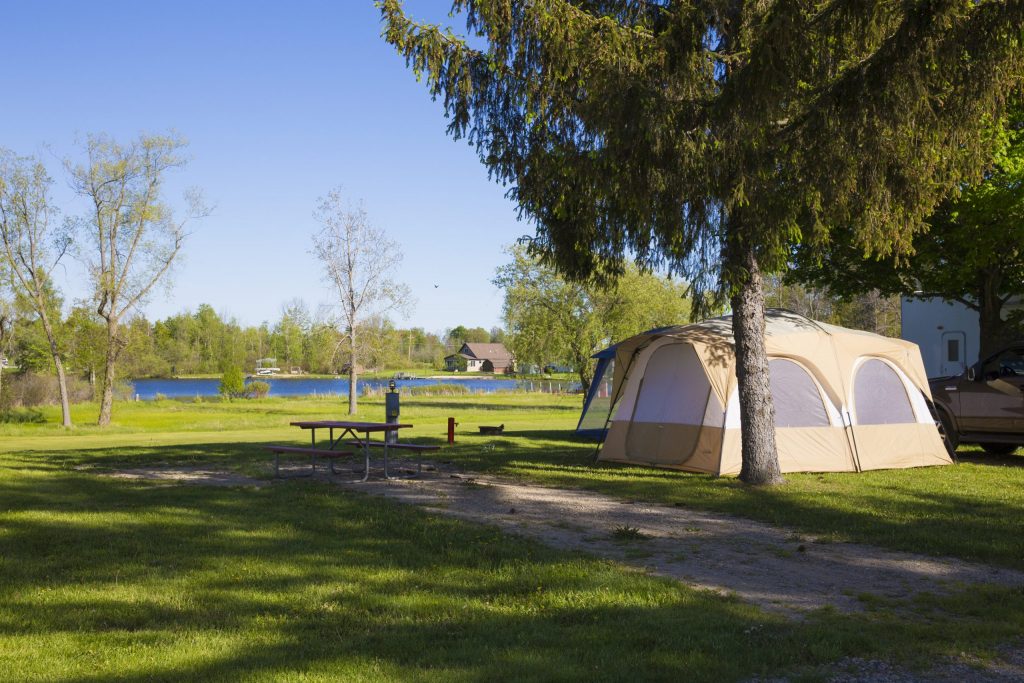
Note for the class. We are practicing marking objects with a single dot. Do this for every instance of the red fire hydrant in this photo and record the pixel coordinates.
(451, 430)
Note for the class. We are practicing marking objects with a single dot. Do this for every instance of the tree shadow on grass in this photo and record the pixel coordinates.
(955, 511)
(105, 578)
(980, 457)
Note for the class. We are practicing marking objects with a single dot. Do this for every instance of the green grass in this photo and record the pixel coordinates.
(106, 579)
(103, 578)
(971, 510)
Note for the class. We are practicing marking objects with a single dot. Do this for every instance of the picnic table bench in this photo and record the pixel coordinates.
(352, 431)
(412, 447)
(314, 453)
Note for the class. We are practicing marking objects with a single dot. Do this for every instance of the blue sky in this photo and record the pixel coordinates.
(280, 102)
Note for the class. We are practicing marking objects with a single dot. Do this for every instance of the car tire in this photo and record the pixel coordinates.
(999, 448)
(950, 437)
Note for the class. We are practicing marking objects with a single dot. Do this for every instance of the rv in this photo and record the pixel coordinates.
(947, 332)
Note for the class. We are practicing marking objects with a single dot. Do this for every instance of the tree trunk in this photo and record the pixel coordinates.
(62, 387)
(62, 382)
(107, 386)
(352, 373)
(993, 331)
(757, 412)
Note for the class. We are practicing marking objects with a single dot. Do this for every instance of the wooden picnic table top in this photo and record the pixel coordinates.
(354, 426)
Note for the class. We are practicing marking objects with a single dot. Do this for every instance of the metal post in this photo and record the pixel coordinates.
(392, 409)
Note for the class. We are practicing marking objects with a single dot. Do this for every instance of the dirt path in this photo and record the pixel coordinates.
(772, 567)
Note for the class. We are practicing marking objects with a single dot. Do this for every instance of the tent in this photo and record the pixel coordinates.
(597, 406)
(845, 400)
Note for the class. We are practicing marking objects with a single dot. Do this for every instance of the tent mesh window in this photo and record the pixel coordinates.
(599, 401)
(797, 399)
(879, 395)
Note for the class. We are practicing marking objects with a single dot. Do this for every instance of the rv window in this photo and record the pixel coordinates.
(953, 350)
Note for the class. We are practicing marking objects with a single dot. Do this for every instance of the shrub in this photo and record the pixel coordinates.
(22, 416)
(257, 389)
(124, 390)
(29, 389)
(232, 383)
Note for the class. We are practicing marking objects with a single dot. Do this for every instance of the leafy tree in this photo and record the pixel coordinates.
(290, 331)
(133, 235)
(358, 260)
(973, 251)
(232, 383)
(460, 334)
(550, 318)
(32, 247)
(711, 136)
(870, 311)
(140, 357)
(86, 342)
(320, 345)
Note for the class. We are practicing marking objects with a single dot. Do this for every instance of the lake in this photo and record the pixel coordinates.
(298, 386)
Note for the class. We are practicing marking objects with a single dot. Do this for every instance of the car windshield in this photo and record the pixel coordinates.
(1009, 363)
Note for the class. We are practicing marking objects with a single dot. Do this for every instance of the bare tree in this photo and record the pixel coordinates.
(133, 235)
(33, 245)
(358, 260)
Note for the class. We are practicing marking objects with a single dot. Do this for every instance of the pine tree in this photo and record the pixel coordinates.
(711, 137)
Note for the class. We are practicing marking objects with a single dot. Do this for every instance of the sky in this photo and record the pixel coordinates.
(280, 102)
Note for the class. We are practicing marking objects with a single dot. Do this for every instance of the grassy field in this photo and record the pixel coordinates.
(103, 578)
(971, 510)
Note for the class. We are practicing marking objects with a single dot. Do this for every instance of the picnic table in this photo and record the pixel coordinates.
(345, 429)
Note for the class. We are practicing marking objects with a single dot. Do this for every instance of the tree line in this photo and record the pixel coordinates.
(203, 342)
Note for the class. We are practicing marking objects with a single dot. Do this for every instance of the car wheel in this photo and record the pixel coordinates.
(950, 437)
(999, 448)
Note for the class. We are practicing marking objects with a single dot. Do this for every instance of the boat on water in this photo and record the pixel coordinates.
(265, 367)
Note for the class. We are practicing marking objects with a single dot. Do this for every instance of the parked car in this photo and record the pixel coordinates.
(984, 404)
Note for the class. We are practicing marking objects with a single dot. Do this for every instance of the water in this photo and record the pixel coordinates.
(299, 386)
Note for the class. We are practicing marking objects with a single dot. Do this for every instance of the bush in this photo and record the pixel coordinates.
(124, 390)
(22, 416)
(28, 389)
(232, 383)
(257, 389)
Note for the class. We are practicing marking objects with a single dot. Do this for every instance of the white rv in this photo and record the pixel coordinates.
(946, 332)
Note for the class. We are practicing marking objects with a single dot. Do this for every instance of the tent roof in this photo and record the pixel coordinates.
(787, 334)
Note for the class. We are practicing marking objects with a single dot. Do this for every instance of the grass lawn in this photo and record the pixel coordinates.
(108, 579)
(972, 510)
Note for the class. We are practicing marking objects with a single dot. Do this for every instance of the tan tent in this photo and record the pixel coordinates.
(845, 400)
